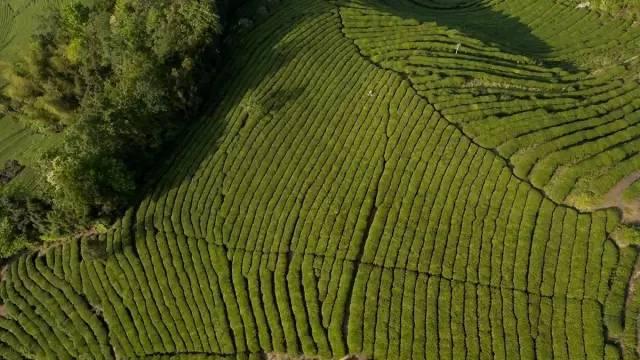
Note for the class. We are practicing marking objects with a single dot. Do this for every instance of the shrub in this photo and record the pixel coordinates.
(10, 241)
(22, 219)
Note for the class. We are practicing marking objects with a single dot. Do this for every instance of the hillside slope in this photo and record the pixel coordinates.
(358, 189)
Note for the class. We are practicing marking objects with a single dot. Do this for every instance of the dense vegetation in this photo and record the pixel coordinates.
(118, 79)
(401, 179)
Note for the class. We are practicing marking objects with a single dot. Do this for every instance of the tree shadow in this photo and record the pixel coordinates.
(252, 57)
(477, 20)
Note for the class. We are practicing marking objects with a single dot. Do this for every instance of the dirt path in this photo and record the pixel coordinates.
(614, 198)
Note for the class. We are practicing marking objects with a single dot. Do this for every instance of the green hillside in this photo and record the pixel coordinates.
(397, 179)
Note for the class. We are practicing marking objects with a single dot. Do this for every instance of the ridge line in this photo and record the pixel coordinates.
(404, 77)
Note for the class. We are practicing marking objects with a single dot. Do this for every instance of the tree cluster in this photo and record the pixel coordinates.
(117, 79)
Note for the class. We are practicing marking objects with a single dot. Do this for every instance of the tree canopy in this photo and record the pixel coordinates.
(118, 79)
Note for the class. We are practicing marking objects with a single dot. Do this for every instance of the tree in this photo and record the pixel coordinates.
(11, 242)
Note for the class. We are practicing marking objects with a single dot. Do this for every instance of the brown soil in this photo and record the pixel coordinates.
(3, 311)
(631, 208)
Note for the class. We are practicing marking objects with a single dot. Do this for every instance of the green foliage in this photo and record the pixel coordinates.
(45, 89)
(89, 181)
(629, 9)
(22, 220)
(119, 78)
(11, 241)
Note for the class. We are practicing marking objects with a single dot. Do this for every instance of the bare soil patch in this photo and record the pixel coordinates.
(614, 198)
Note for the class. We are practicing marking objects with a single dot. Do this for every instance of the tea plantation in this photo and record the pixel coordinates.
(396, 179)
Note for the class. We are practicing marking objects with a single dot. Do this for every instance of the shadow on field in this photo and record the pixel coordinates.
(250, 58)
(254, 57)
(476, 20)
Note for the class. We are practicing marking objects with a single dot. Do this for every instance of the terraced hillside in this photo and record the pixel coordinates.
(393, 179)
(551, 94)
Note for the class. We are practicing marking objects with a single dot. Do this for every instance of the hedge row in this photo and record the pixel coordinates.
(325, 207)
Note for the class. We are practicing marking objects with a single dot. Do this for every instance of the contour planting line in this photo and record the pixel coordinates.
(290, 254)
(404, 77)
